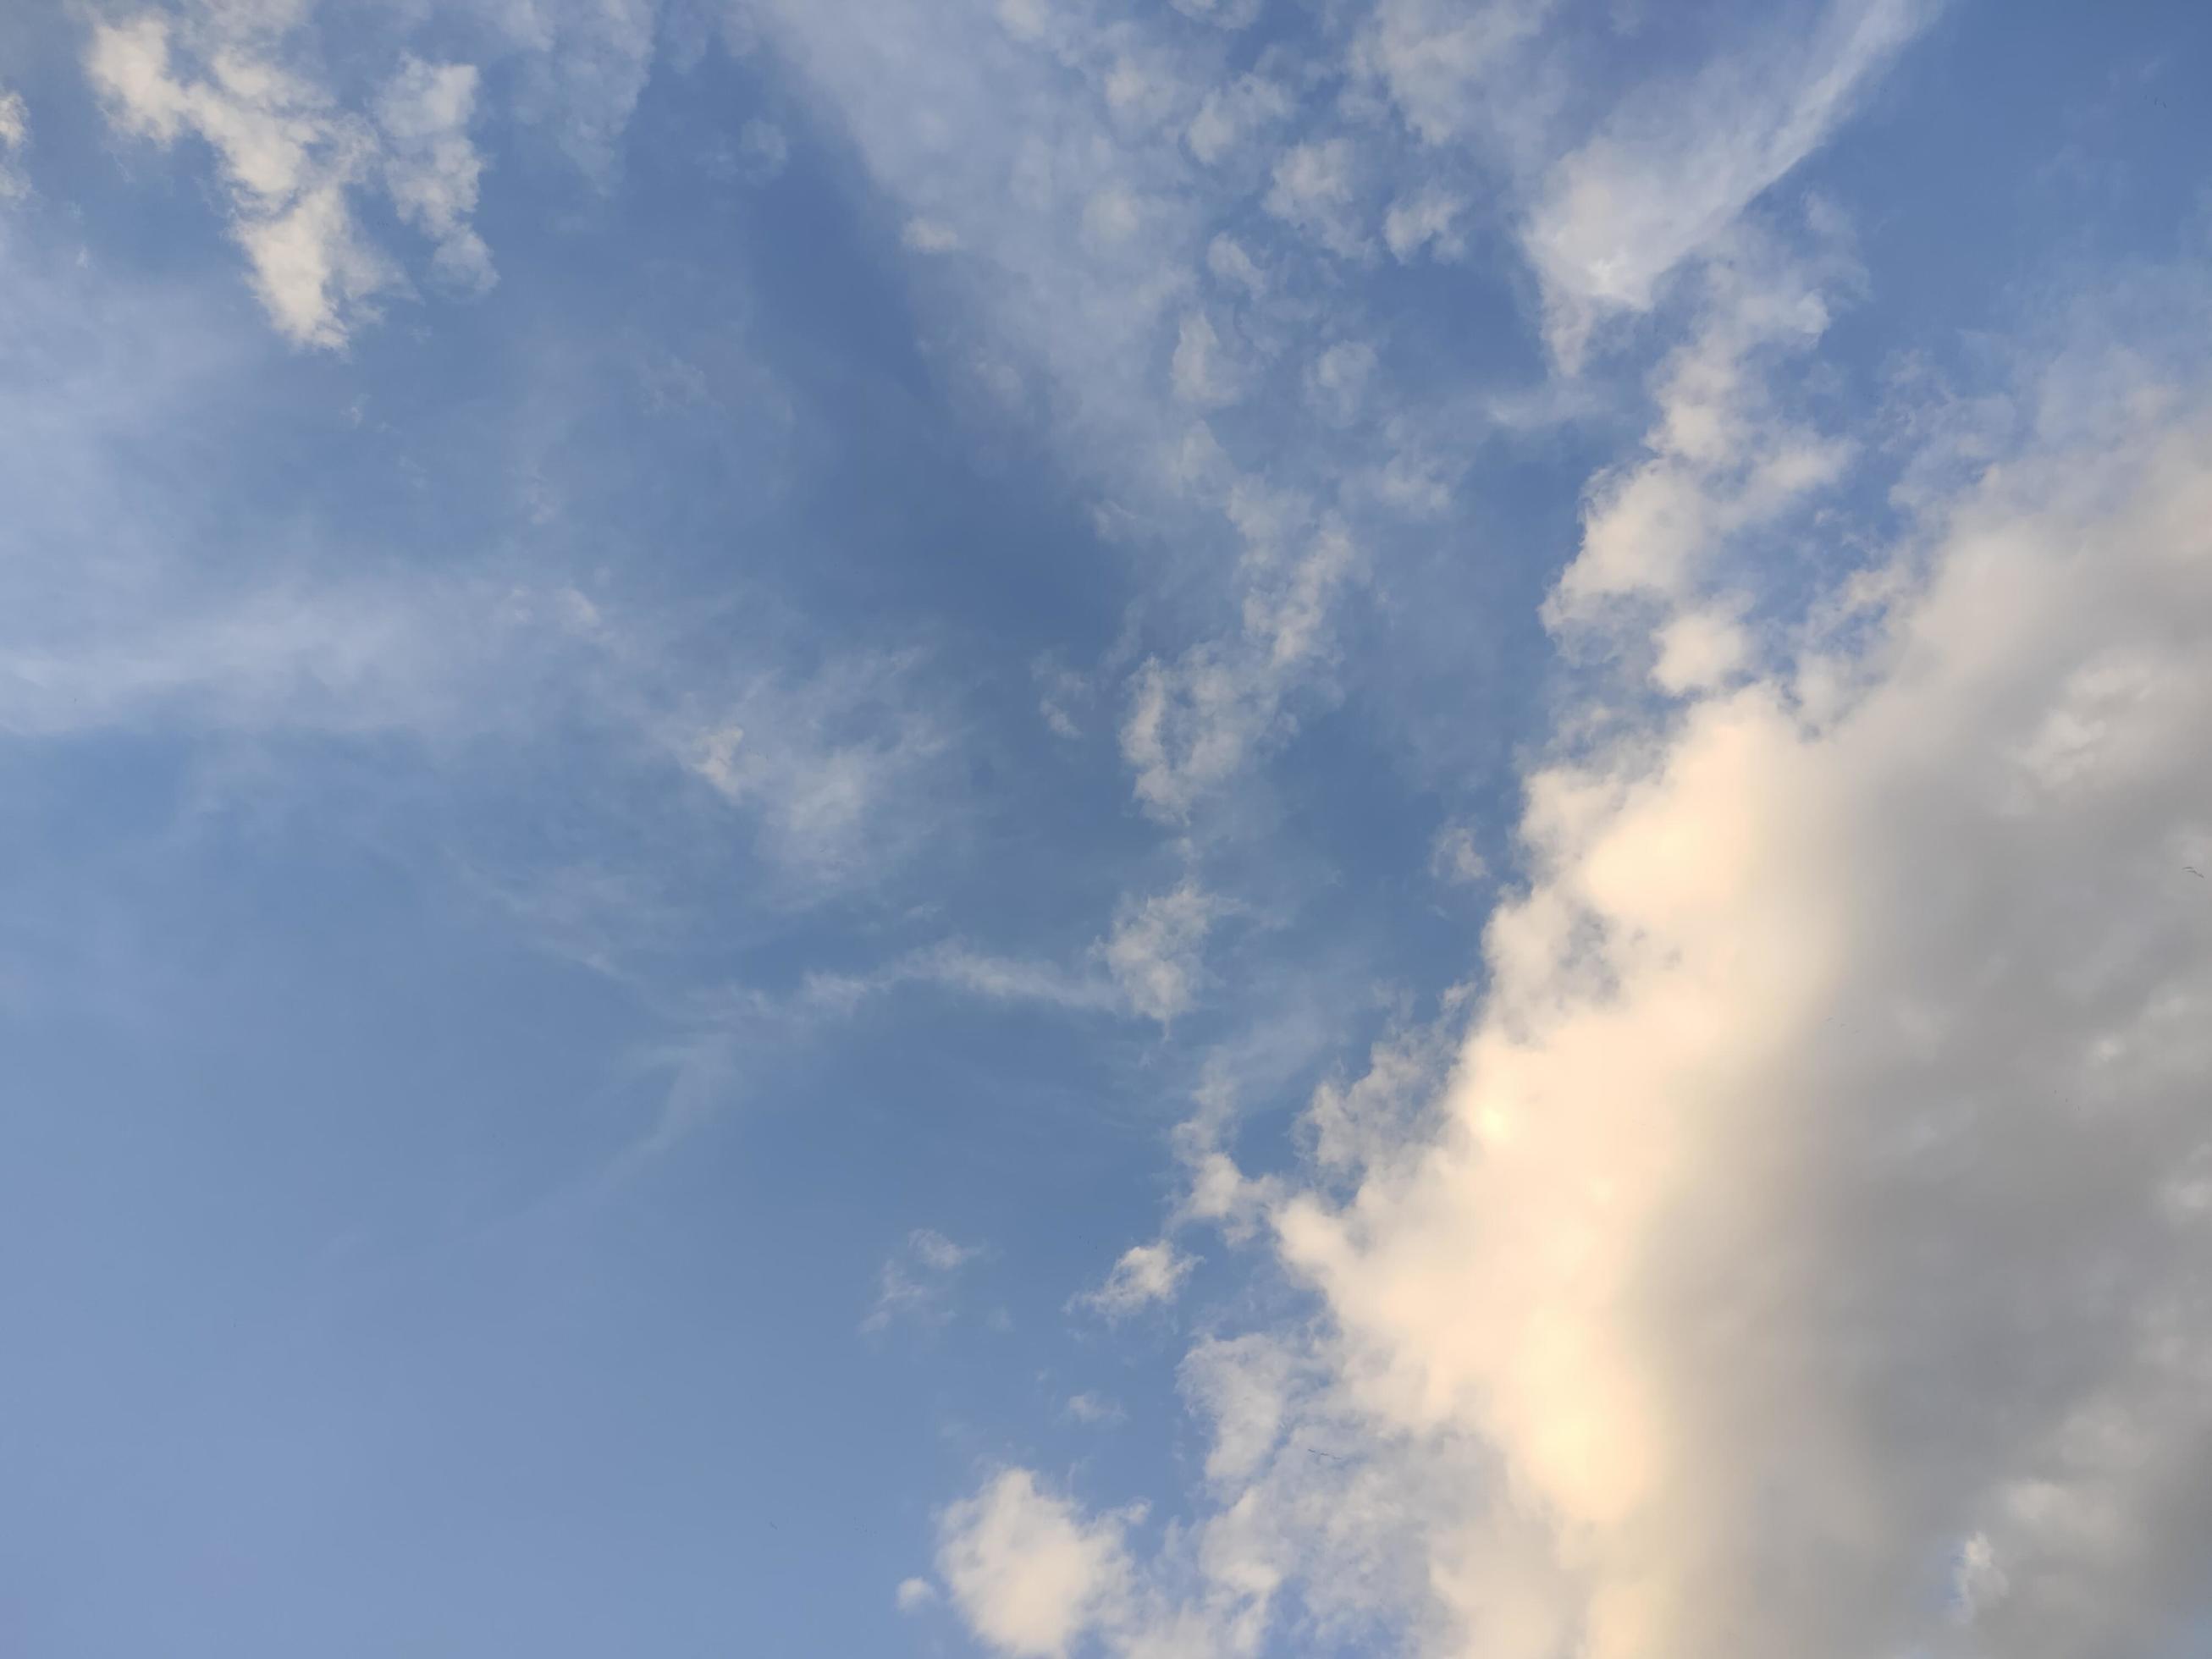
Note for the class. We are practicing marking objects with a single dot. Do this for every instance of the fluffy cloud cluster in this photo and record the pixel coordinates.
(292, 159)
(1808, 1252)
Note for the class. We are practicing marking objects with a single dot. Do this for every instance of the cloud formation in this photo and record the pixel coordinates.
(1826, 1166)
(292, 159)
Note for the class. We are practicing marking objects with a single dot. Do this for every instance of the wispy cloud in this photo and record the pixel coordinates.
(917, 1283)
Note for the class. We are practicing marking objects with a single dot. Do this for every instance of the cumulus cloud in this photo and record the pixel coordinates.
(1808, 1161)
(1805, 1254)
(1027, 1570)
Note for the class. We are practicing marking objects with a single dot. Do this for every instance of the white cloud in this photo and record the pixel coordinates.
(1027, 1571)
(1425, 218)
(582, 66)
(1441, 61)
(287, 156)
(1677, 163)
(1315, 187)
(1202, 373)
(1063, 692)
(917, 1280)
(431, 168)
(1827, 1088)
(928, 236)
(1700, 650)
(1193, 724)
(1155, 952)
(1338, 381)
(292, 159)
(1977, 1581)
(1233, 264)
(14, 135)
(1093, 1409)
(1144, 1275)
(1825, 1161)
(1223, 14)
(831, 767)
(1721, 460)
(956, 966)
(1112, 218)
(915, 1594)
(1456, 857)
(1231, 116)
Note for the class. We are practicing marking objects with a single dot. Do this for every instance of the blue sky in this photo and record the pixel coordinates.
(1241, 827)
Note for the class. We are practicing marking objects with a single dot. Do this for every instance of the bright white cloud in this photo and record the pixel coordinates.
(1824, 1115)
(1826, 1159)
(1027, 1571)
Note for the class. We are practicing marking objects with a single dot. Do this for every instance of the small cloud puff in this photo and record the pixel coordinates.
(916, 1281)
(1145, 1274)
(928, 236)
(915, 1594)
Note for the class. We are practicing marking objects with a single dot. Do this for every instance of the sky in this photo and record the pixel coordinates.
(1156, 829)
